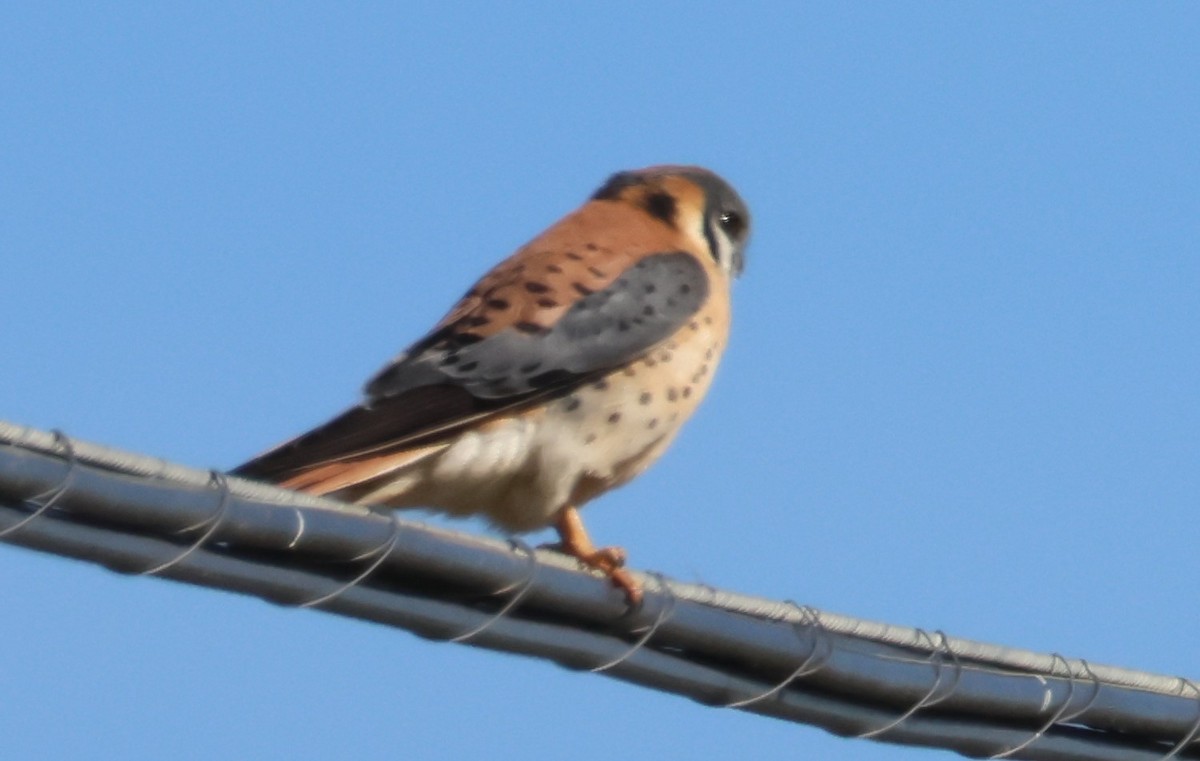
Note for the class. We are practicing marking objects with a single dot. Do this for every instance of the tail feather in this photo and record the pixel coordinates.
(332, 477)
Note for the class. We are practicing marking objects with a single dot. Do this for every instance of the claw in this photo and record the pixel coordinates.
(608, 560)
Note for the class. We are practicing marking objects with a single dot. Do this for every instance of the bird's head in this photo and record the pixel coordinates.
(692, 199)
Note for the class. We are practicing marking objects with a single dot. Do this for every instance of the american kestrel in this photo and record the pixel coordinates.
(564, 372)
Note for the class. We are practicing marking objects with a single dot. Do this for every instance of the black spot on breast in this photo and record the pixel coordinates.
(650, 288)
(497, 304)
(648, 310)
(645, 398)
(583, 290)
(687, 391)
(589, 438)
(622, 326)
(590, 246)
(600, 385)
(547, 303)
(653, 423)
(685, 288)
(536, 287)
(596, 272)
(574, 256)
(613, 418)
(529, 327)
(672, 395)
(553, 268)
(572, 404)
(661, 206)
(694, 325)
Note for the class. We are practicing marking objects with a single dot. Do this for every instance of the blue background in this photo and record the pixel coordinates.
(962, 391)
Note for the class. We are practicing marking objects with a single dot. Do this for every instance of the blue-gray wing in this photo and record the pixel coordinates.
(643, 306)
(454, 377)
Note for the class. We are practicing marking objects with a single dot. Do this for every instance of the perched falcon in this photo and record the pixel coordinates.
(564, 372)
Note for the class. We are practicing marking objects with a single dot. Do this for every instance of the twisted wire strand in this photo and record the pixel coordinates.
(1187, 739)
(1060, 714)
(937, 658)
(810, 665)
(54, 494)
(213, 524)
(664, 613)
(378, 557)
(523, 586)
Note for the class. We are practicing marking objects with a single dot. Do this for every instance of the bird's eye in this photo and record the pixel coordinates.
(732, 223)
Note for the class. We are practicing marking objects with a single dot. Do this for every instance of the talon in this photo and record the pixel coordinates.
(607, 560)
(624, 581)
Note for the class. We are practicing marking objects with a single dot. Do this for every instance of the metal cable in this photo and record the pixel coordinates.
(853, 677)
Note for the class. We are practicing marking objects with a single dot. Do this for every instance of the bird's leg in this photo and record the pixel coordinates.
(608, 560)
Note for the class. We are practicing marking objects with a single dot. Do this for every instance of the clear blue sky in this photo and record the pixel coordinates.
(963, 390)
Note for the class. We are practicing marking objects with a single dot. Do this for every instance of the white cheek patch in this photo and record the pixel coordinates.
(724, 251)
(691, 221)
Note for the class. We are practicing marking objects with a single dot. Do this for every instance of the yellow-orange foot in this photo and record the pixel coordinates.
(608, 560)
